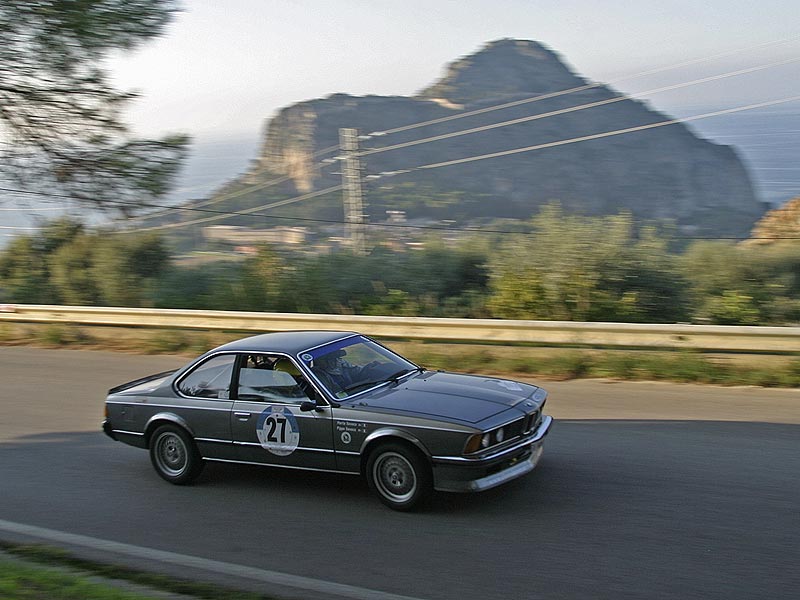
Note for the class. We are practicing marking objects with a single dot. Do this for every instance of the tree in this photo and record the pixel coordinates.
(744, 284)
(71, 272)
(60, 119)
(25, 274)
(124, 268)
(586, 269)
(259, 280)
(65, 263)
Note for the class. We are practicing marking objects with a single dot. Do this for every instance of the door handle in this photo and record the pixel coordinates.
(242, 416)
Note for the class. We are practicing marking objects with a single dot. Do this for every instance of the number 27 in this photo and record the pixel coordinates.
(273, 423)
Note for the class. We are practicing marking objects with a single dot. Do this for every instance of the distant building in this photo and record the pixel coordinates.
(395, 216)
(244, 236)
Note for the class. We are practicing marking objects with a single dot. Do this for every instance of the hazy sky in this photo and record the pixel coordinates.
(224, 66)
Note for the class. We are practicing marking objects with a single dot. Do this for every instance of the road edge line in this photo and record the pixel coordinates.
(203, 564)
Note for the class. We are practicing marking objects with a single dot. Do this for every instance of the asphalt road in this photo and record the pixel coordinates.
(644, 491)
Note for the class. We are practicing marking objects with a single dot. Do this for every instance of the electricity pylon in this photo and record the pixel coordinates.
(354, 216)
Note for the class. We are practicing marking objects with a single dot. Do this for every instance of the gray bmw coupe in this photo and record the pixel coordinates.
(333, 401)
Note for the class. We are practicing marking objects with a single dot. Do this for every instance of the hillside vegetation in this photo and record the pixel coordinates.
(558, 266)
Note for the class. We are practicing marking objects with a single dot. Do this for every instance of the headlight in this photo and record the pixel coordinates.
(473, 443)
(481, 441)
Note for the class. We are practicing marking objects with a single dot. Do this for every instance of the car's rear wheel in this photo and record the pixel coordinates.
(174, 455)
(399, 476)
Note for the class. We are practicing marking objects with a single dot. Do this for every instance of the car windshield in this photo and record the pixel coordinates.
(354, 365)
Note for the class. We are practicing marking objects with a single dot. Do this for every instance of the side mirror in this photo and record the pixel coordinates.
(308, 406)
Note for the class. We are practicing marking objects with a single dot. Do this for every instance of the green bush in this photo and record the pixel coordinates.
(54, 334)
(619, 365)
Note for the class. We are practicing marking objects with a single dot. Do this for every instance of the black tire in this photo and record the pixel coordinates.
(174, 455)
(400, 476)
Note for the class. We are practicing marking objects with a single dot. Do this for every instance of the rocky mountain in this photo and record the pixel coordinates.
(662, 173)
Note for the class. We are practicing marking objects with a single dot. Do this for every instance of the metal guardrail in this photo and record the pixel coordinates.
(705, 337)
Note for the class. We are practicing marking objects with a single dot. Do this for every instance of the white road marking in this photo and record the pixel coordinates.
(205, 564)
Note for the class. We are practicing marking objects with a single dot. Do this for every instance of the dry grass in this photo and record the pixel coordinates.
(778, 370)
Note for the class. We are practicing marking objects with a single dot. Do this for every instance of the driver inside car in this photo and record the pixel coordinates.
(336, 373)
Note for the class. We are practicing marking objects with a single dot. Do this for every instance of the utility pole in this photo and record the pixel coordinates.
(354, 216)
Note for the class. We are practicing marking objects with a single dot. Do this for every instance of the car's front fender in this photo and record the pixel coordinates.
(388, 433)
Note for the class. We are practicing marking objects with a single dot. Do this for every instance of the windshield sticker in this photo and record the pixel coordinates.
(278, 431)
(509, 385)
(333, 346)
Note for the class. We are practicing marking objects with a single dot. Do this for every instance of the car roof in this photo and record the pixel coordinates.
(288, 342)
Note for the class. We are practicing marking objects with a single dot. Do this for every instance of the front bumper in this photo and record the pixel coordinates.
(108, 431)
(461, 474)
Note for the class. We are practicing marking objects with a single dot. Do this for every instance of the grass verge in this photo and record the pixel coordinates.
(31, 581)
(641, 365)
(512, 361)
(20, 581)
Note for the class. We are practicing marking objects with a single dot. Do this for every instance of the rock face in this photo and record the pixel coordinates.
(662, 173)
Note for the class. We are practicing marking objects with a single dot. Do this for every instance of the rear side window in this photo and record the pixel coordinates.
(211, 379)
(275, 386)
(268, 378)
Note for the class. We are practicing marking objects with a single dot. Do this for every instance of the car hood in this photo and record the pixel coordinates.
(451, 396)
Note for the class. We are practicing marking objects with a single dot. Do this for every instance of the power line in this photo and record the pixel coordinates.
(475, 158)
(540, 97)
(582, 88)
(217, 199)
(580, 107)
(245, 191)
(225, 214)
(602, 135)
(397, 225)
(218, 215)
(34, 210)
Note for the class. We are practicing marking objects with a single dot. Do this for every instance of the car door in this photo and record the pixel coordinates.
(267, 424)
(203, 402)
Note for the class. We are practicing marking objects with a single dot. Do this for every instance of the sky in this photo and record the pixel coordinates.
(224, 67)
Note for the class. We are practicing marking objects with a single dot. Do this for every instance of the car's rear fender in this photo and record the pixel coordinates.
(165, 418)
(389, 434)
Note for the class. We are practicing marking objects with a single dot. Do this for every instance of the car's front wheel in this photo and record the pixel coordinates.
(399, 476)
(174, 455)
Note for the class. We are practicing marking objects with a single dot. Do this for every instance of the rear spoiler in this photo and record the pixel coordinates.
(136, 382)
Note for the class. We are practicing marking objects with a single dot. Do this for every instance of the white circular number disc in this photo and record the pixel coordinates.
(278, 431)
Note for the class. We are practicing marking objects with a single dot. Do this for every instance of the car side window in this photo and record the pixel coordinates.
(265, 378)
(211, 379)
